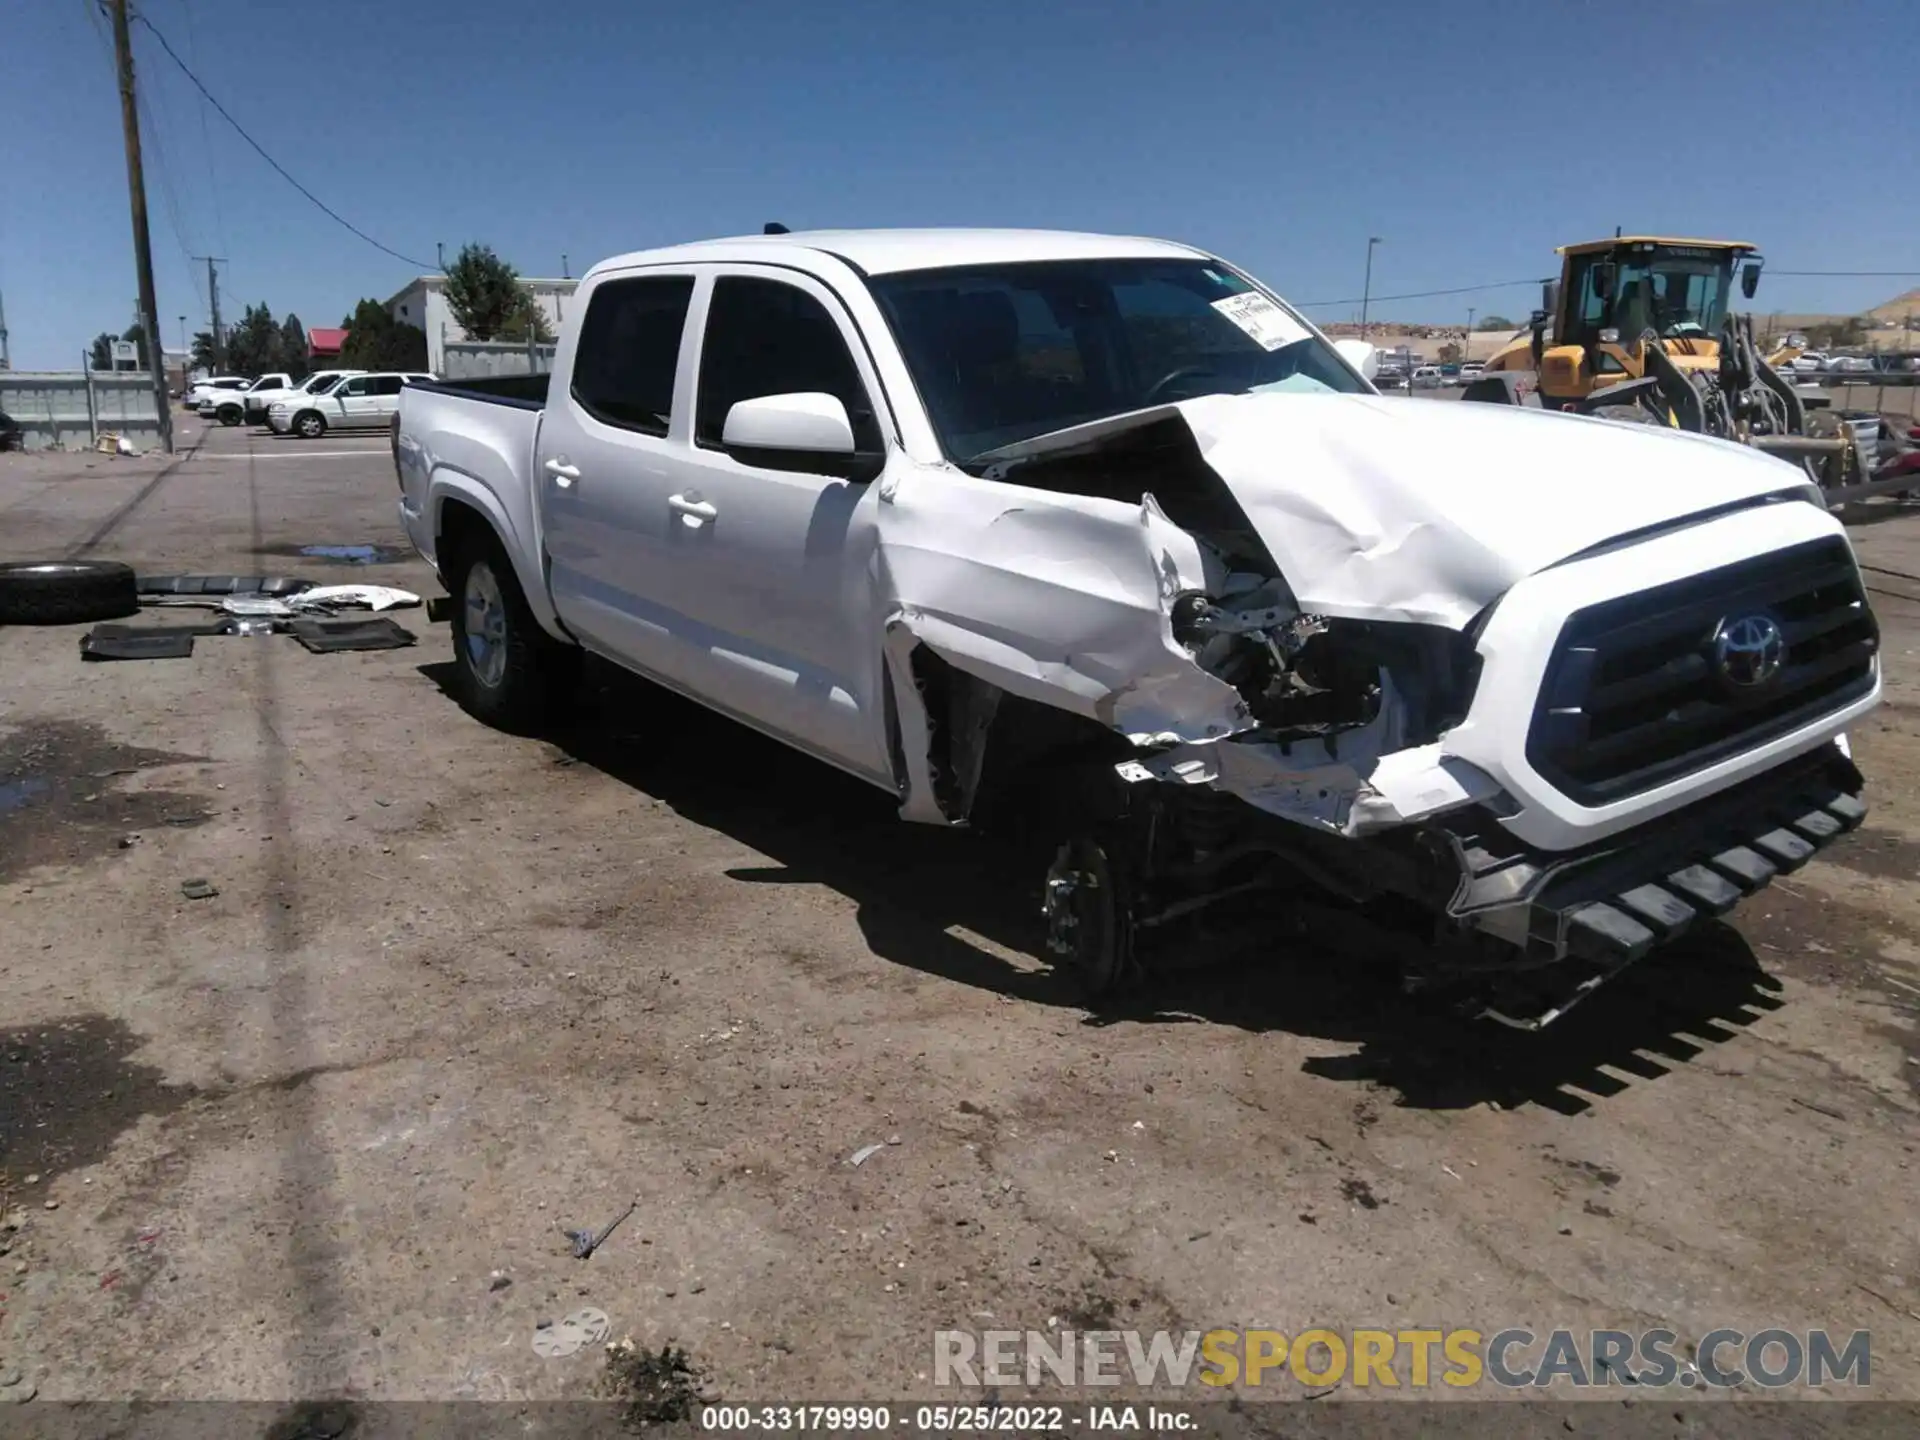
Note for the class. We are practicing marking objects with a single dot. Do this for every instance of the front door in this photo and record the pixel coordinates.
(352, 403)
(786, 630)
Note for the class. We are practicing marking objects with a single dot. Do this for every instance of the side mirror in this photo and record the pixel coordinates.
(1537, 340)
(807, 431)
(1360, 355)
(1605, 275)
(1749, 279)
(1550, 296)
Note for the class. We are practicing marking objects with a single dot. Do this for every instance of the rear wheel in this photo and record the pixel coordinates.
(510, 670)
(228, 414)
(310, 425)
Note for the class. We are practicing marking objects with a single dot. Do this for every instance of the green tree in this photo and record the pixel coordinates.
(376, 341)
(1495, 322)
(527, 322)
(253, 345)
(101, 357)
(203, 356)
(487, 299)
(138, 335)
(294, 357)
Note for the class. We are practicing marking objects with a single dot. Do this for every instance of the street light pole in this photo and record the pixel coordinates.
(1466, 346)
(1366, 290)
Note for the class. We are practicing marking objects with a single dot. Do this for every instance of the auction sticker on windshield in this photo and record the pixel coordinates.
(1265, 322)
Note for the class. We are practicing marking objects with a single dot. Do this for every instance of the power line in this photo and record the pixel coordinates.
(1842, 274)
(238, 127)
(1417, 294)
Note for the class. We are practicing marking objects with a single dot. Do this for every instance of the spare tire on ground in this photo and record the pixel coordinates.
(66, 592)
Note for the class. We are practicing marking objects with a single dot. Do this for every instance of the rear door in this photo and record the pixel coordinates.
(777, 563)
(614, 415)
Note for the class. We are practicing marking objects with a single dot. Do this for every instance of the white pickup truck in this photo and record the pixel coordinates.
(1099, 534)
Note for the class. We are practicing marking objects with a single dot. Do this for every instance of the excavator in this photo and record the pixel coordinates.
(1639, 328)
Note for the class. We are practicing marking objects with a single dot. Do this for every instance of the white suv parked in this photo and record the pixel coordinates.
(361, 402)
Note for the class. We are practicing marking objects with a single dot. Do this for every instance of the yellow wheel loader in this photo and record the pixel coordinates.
(1640, 329)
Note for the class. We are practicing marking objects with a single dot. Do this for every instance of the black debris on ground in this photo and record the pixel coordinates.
(653, 1388)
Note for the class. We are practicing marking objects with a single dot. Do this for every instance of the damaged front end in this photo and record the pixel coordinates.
(1094, 638)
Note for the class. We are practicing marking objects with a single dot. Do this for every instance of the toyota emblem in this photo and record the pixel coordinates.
(1749, 651)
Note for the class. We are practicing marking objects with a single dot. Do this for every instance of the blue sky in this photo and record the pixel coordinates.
(1279, 134)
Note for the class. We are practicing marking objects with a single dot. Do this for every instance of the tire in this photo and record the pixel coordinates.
(1089, 909)
(67, 592)
(309, 424)
(229, 415)
(510, 673)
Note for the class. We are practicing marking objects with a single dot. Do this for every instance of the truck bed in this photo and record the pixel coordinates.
(528, 392)
(473, 441)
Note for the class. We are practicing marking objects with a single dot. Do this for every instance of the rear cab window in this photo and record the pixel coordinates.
(629, 351)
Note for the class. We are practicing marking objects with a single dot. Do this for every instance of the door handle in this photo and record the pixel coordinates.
(694, 511)
(563, 473)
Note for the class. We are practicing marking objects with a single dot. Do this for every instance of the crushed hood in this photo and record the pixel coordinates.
(1428, 511)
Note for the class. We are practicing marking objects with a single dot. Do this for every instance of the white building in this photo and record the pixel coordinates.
(424, 303)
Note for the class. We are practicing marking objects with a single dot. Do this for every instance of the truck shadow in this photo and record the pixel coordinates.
(924, 895)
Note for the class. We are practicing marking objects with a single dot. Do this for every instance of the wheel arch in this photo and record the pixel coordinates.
(462, 510)
(965, 750)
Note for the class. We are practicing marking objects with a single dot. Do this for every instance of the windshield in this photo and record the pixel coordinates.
(1003, 353)
(1674, 290)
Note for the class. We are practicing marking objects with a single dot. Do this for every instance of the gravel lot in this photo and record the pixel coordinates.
(458, 989)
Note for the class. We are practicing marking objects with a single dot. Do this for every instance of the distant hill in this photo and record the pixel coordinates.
(1899, 307)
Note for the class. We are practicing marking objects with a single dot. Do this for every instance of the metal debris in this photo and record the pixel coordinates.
(198, 889)
(585, 1242)
(864, 1154)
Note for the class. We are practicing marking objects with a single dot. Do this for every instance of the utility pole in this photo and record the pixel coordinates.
(565, 272)
(213, 304)
(137, 195)
(1466, 347)
(1366, 291)
(440, 255)
(6, 356)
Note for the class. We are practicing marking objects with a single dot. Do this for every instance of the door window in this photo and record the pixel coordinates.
(629, 350)
(355, 386)
(765, 337)
(385, 384)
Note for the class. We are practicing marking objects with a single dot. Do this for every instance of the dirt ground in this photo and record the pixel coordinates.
(319, 1134)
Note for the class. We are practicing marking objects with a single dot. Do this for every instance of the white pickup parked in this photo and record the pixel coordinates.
(260, 400)
(1099, 534)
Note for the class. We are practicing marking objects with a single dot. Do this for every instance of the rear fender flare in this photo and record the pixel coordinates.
(446, 485)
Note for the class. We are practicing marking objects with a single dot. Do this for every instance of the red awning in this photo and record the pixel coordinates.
(325, 342)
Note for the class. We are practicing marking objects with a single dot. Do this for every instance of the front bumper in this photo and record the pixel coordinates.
(1581, 917)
